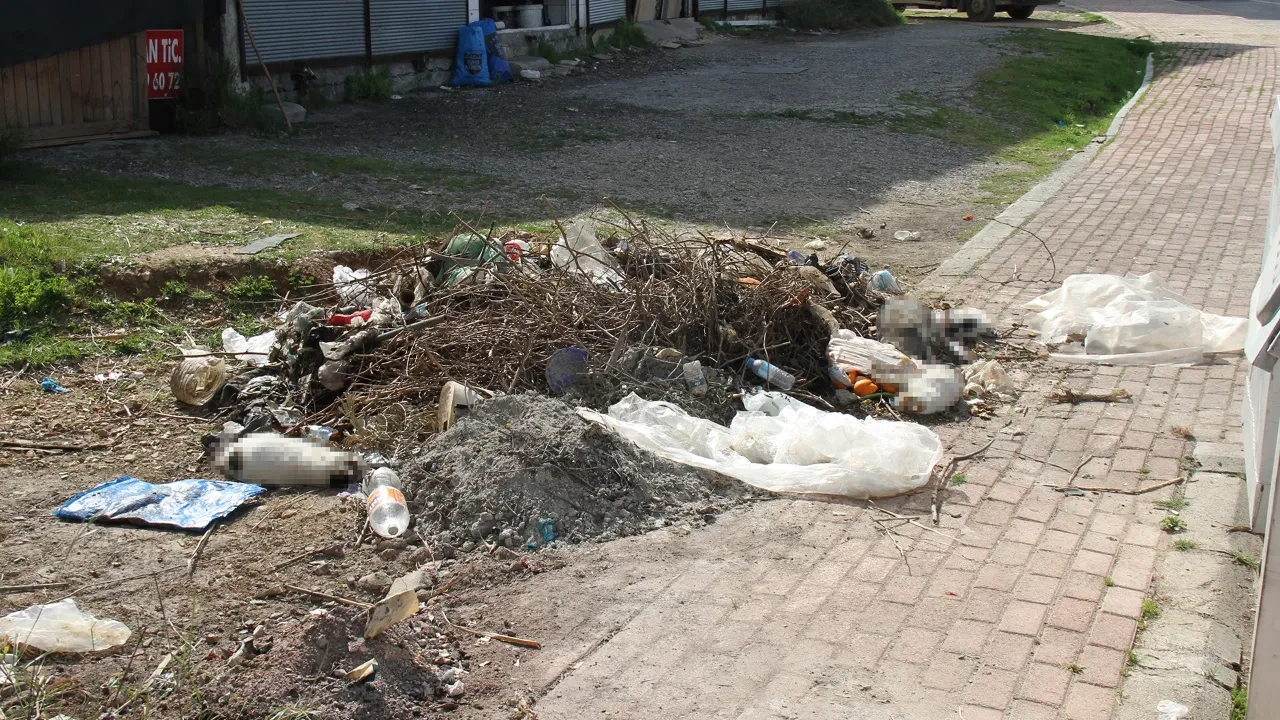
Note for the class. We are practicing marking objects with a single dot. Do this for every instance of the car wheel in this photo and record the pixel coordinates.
(1021, 12)
(981, 10)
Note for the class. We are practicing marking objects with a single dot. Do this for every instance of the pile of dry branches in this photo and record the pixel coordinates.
(715, 300)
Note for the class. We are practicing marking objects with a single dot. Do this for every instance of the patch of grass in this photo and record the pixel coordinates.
(251, 287)
(1184, 544)
(838, 14)
(1132, 659)
(1144, 470)
(1108, 581)
(31, 288)
(1239, 703)
(1246, 560)
(625, 35)
(1075, 668)
(365, 85)
(1188, 465)
(1175, 503)
(1150, 611)
(549, 53)
(211, 100)
(300, 710)
(1173, 524)
(1039, 106)
(42, 349)
(11, 140)
(175, 290)
(959, 479)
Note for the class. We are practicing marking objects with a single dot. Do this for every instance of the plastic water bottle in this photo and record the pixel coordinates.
(773, 375)
(388, 513)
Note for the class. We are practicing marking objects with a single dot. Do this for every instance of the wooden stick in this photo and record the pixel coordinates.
(1076, 472)
(1118, 491)
(249, 31)
(496, 636)
(195, 556)
(37, 445)
(936, 508)
(139, 576)
(27, 588)
(300, 557)
(335, 598)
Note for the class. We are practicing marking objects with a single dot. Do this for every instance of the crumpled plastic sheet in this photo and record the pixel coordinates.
(1131, 320)
(62, 627)
(782, 445)
(233, 341)
(184, 505)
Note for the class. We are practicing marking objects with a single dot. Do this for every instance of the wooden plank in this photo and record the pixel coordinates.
(108, 82)
(122, 89)
(21, 117)
(96, 92)
(8, 103)
(86, 82)
(64, 134)
(33, 94)
(67, 86)
(49, 79)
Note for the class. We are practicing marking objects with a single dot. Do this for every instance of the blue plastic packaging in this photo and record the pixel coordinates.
(471, 66)
(184, 505)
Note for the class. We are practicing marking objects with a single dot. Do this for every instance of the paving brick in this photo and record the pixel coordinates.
(1133, 568)
(1022, 617)
(1083, 586)
(1092, 563)
(1046, 684)
(904, 590)
(1113, 631)
(985, 605)
(949, 671)
(1049, 563)
(862, 650)
(1089, 702)
(1027, 710)
(1071, 614)
(1036, 589)
(1123, 602)
(992, 688)
(882, 617)
(1010, 553)
(967, 637)
(1059, 541)
(1102, 665)
(1058, 647)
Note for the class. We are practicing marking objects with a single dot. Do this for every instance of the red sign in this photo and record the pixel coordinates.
(164, 63)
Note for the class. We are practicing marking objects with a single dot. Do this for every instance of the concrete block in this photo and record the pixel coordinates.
(1220, 457)
(528, 62)
(294, 112)
(660, 31)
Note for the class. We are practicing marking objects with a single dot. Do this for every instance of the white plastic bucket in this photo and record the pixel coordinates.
(529, 16)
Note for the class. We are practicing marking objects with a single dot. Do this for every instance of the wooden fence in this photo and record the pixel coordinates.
(94, 92)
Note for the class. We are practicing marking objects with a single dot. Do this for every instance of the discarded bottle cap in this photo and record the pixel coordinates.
(196, 380)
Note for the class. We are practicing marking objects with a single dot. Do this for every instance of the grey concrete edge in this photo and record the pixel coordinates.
(1020, 212)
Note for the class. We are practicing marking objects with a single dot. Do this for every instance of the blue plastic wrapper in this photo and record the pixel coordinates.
(184, 505)
(51, 385)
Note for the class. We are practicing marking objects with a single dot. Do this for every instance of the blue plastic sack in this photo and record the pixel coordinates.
(471, 66)
(185, 504)
(499, 68)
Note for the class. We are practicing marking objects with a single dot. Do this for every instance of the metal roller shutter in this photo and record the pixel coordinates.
(607, 11)
(741, 5)
(305, 29)
(402, 26)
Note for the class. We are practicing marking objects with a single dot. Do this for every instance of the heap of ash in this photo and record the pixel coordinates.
(520, 471)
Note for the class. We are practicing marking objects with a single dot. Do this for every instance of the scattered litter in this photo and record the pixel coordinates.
(815, 245)
(389, 611)
(1170, 710)
(795, 449)
(581, 252)
(1067, 395)
(62, 627)
(270, 459)
(987, 378)
(266, 243)
(771, 374)
(910, 235)
(387, 511)
(967, 218)
(197, 380)
(254, 350)
(453, 396)
(363, 671)
(672, 45)
(183, 505)
(1136, 319)
(885, 282)
(527, 74)
(52, 386)
(566, 367)
(352, 286)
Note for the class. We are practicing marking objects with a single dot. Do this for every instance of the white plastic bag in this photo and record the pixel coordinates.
(234, 342)
(1170, 710)
(869, 357)
(581, 252)
(62, 627)
(990, 378)
(789, 447)
(351, 286)
(1131, 320)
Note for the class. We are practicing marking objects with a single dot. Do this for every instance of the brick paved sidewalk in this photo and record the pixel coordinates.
(1026, 604)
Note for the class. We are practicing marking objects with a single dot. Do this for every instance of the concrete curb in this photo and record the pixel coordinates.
(1002, 226)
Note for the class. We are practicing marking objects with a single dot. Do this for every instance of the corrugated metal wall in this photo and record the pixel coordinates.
(742, 5)
(607, 11)
(401, 26)
(305, 29)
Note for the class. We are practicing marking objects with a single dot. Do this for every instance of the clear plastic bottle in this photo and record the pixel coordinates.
(773, 375)
(388, 513)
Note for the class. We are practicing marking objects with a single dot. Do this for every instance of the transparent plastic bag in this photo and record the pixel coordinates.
(1134, 319)
(234, 342)
(581, 252)
(62, 627)
(783, 445)
(1170, 710)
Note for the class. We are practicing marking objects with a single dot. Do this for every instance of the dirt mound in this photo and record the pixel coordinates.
(524, 470)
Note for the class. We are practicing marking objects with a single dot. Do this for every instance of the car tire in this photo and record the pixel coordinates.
(981, 10)
(1021, 12)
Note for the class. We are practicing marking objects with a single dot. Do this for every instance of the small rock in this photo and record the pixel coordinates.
(815, 245)
(392, 543)
(415, 580)
(468, 546)
(672, 45)
(374, 582)
(334, 551)
(389, 554)
(448, 676)
(445, 552)
(603, 57)
(505, 553)
(516, 566)
(509, 538)
(454, 690)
